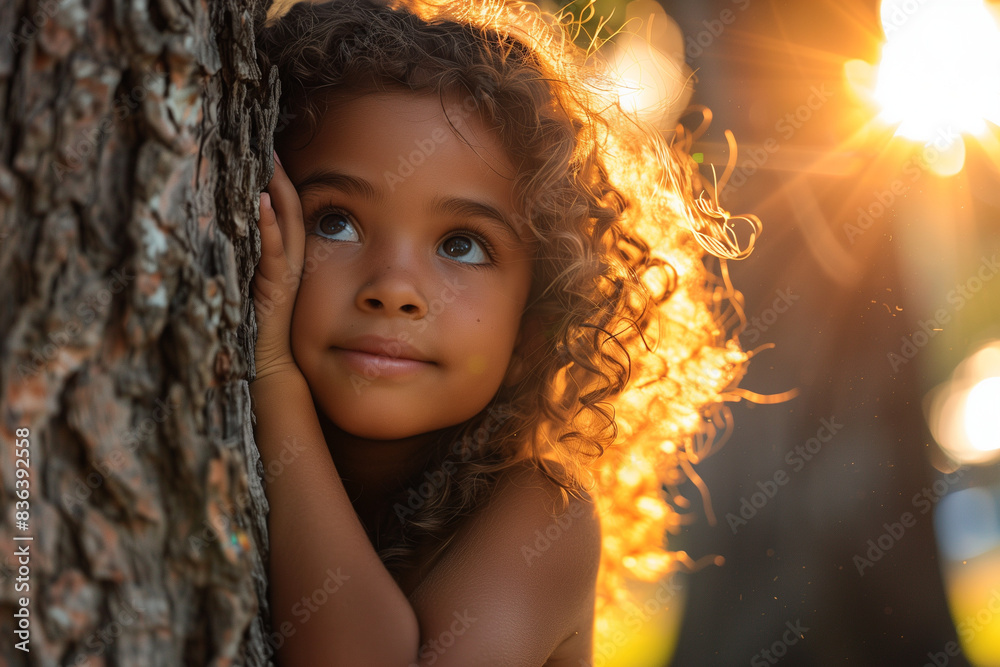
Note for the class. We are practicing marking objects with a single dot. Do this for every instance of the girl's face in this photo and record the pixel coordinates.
(415, 275)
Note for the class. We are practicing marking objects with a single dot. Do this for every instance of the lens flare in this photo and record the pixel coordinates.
(981, 426)
(653, 80)
(940, 67)
(962, 413)
(938, 76)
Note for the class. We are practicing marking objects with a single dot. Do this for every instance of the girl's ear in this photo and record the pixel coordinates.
(529, 340)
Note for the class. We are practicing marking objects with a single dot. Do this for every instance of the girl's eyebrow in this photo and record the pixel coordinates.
(351, 185)
(462, 206)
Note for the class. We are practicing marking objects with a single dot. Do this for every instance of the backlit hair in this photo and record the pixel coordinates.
(632, 355)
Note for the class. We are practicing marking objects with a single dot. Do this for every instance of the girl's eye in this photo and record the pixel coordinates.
(466, 248)
(335, 225)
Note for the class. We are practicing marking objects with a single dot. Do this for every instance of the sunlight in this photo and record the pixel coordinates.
(940, 67)
(939, 75)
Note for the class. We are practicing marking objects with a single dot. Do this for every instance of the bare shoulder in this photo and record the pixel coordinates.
(525, 567)
(531, 501)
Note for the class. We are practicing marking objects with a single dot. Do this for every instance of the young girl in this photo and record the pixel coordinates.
(502, 330)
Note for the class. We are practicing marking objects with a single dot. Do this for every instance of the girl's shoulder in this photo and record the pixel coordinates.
(524, 566)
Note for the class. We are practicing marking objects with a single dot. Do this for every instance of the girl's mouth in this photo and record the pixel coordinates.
(372, 366)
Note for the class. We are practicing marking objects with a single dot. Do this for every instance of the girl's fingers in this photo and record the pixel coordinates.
(274, 289)
(288, 211)
(277, 272)
(272, 250)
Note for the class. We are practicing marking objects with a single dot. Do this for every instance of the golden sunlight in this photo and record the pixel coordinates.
(940, 67)
(939, 74)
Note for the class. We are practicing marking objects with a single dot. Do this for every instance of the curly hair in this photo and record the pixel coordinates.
(619, 262)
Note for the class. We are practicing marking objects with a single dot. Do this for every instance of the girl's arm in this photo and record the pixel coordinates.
(332, 600)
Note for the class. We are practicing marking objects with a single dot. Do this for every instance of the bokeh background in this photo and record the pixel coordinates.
(858, 520)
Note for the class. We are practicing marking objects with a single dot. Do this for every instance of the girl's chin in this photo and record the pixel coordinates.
(363, 429)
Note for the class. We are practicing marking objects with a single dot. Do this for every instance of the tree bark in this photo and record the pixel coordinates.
(135, 139)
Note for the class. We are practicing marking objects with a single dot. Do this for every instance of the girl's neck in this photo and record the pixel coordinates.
(373, 470)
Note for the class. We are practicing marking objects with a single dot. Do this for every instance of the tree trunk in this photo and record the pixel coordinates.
(136, 137)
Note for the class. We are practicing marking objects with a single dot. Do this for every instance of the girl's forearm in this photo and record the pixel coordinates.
(332, 600)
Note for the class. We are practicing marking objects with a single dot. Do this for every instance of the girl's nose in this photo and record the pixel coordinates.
(392, 293)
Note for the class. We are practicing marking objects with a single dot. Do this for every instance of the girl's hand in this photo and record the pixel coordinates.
(277, 275)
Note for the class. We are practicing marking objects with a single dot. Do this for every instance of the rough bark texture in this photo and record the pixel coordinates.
(136, 136)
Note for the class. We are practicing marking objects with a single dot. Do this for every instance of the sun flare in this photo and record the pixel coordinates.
(940, 67)
(938, 75)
